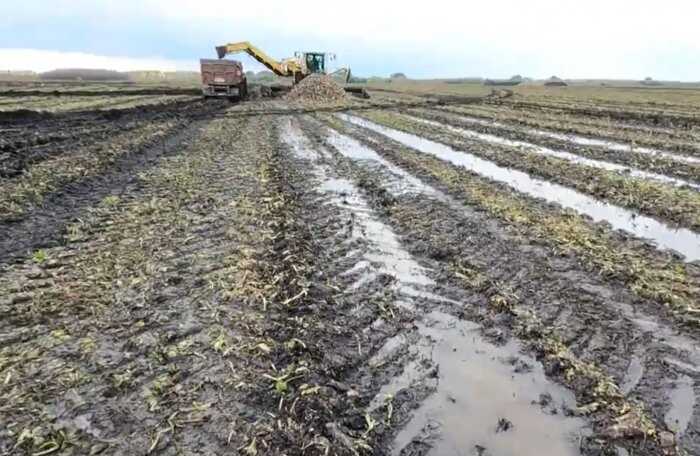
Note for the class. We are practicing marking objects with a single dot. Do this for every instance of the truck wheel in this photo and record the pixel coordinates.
(243, 90)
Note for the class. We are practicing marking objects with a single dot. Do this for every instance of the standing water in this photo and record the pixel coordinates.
(541, 150)
(584, 141)
(481, 401)
(681, 240)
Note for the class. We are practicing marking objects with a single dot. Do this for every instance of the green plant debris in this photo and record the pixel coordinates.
(678, 205)
(663, 280)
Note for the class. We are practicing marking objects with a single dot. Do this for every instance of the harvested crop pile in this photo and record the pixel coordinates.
(317, 88)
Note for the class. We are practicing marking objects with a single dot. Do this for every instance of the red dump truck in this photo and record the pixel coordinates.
(223, 78)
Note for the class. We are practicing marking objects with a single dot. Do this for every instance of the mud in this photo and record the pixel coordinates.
(684, 241)
(565, 155)
(681, 205)
(608, 144)
(251, 284)
(23, 117)
(573, 123)
(44, 224)
(621, 327)
(658, 117)
(450, 356)
(102, 93)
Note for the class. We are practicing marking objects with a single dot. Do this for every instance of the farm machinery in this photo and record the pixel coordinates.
(298, 67)
(223, 78)
(226, 78)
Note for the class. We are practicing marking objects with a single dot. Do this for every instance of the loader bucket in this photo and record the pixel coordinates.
(221, 51)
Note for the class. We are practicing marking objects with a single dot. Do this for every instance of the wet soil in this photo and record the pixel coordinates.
(684, 241)
(659, 117)
(267, 285)
(100, 93)
(568, 299)
(44, 224)
(680, 141)
(653, 160)
(441, 352)
(188, 316)
(680, 207)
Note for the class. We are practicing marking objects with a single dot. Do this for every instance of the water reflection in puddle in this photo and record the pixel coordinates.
(584, 141)
(408, 184)
(541, 150)
(682, 399)
(481, 402)
(475, 382)
(681, 240)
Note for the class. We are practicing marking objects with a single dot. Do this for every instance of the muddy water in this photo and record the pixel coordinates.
(682, 400)
(476, 384)
(681, 395)
(407, 183)
(584, 141)
(387, 256)
(541, 150)
(681, 240)
(635, 372)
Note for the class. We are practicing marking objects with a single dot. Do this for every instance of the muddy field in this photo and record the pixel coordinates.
(405, 275)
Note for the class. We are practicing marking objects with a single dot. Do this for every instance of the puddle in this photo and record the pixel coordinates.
(617, 123)
(412, 292)
(476, 388)
(476, 385)
(584, 141)
(337, 185)
(362, 280)
(541, 150)
(682, 399)
(681, 240)
(386, 256)
(682, 366)
(295, 139)
(665, 334)
(390, 347)
(634, 374)
(360, 266)
(355, 150)
(413, 372)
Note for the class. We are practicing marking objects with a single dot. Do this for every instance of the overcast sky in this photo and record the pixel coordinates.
(435, 38)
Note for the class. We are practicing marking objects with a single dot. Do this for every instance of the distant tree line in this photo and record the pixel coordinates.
(76, 74)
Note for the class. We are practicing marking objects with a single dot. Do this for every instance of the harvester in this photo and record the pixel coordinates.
(298, 67)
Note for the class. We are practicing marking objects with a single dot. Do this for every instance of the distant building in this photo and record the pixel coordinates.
(555, 82)
(650, 82)
(502, 82)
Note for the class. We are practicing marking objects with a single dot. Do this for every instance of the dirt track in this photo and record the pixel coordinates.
(201, 279)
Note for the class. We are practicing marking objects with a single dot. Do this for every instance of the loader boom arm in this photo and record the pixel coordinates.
(285, 68)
